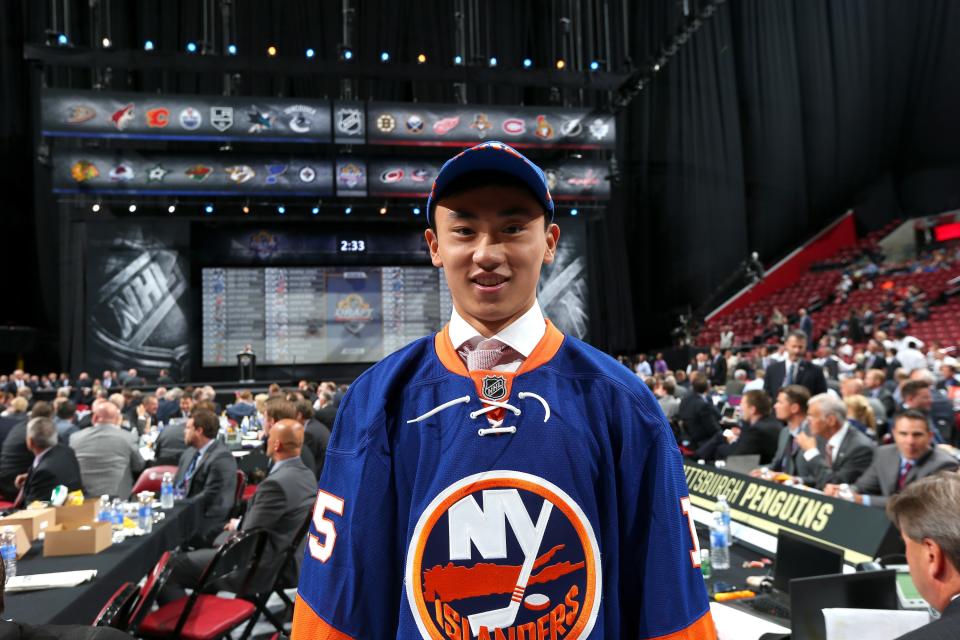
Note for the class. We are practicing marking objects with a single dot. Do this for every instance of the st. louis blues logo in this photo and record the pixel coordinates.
(494, 387)
(503, 554)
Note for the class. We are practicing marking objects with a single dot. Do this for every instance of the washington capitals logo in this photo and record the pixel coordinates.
(503, 554)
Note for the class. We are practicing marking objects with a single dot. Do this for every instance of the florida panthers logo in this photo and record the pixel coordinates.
(503, 555)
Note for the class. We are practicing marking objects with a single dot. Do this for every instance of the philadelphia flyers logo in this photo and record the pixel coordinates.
(503, 555)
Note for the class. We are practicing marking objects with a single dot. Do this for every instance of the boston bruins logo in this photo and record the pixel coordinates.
(503, 555)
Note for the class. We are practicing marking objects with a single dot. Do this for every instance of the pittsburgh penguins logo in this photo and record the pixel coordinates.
(503, 554)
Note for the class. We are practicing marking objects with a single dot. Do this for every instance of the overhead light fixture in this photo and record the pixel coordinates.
(346, 53)
(348, 210)
(561, 64)
(192, 47)
(96, 207)
(574, 211)
(421, 58)
(148, 45)
(232, 49)
(246, 208)
(208, 208)
(315, 210)
(172, 208)
(458, 60)
(281, 209)
(416, 211)
(384, 56)
(310, 52)
(132, 208)
(594, 66)
(492, 61)
(527, 63)
(271, 51)
(106, 43)
(62, 39)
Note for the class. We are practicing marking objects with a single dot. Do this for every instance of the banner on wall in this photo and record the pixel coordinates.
(106, 172)
(107, 114)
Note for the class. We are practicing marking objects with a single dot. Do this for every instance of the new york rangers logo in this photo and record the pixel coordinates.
(494, 387)
(503, 555)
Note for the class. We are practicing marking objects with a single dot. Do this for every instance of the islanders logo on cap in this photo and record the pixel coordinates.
(503, 554)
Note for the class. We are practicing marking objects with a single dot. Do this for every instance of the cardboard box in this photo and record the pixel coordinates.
(77, 514)
(77, 539)
(23, 541)
(34, 521)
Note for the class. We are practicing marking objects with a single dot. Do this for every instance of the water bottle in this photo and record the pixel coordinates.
(116, 511)
(8, 549)
(705, 564)
(145, 511)
(166, 491)
(719, 543)
(104, 514)
(724, 508)
(245, 425)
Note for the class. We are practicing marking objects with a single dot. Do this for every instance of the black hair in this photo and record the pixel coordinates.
(476, 180)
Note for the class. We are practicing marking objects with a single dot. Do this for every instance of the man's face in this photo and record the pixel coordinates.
(190, 436)
(913, 437)
(746, 410)
(491, 243)
(150, 404)
(819, 422)
(795, 347)
(922, 400)
(186, 404)
(783, 408)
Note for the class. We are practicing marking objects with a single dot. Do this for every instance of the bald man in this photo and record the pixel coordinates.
(109, 459)
(280, 505)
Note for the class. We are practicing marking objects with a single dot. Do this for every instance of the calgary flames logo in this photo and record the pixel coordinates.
(538, 572)
(354, 312)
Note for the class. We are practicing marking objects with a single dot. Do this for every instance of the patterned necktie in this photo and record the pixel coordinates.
(829, 455)
(790, 367)
(907, 466)
(485, 354)
(185, 480)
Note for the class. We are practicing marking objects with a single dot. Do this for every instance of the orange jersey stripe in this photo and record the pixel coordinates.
(307, 625)
(702, 629)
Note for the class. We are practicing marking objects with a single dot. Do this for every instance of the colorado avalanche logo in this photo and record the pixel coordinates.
(503, 555)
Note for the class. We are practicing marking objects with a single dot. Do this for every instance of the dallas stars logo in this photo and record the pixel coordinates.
(156, 173)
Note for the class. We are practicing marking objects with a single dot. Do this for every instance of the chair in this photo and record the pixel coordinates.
(241, 486)
(204, 616)
(116, 612)
(152, 478)
(149, 591)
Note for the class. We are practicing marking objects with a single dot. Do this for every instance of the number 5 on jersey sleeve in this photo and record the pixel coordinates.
(325, 502)
(695, 552)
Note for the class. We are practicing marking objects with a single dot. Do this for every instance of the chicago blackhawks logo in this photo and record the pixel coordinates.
(503, 555)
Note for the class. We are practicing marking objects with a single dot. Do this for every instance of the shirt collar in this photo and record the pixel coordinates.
(203, 450)
(838, 437)
(522, 335)
(280, 463)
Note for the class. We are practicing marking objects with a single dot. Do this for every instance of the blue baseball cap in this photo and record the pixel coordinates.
(492, 156)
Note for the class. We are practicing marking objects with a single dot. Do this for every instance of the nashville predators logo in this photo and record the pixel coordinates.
(503, 555)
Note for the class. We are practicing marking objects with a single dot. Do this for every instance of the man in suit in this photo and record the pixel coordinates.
(15, 458)
(325, 409)
(911, 457)
(760, 431)
(316, 434)
(806, 326)
(169, 445)
(736, 386)
(244, 407)
(847, 453)
(874, 359)
(699, 419)
(791, 409)
(718, 367)
(280, 505)
(207, 469)
(109, 458)
(925, 397)
(794, 369)
(53, 464)
(926, 514)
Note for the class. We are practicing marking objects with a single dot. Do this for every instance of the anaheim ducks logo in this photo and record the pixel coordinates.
(503, 555)
(354, 312)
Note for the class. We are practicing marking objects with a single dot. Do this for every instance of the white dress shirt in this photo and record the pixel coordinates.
(833, 443)
(522, 335)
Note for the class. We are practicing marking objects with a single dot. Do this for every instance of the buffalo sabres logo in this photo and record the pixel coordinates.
(503, 554)
(494, 387)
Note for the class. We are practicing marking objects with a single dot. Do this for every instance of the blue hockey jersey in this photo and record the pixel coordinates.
(546, 503)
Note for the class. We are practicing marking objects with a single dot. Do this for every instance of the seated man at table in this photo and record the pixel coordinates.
(791, 409)
(699, 418)
(759, 432)
(53, 464)
(847, 453)
(277, 409)
(244, 407)
(926, 514)
(911, 457)
(109, 458)
(207, 469)
(280, 505)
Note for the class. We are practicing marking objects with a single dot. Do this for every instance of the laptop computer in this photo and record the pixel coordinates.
(862, 590)
(797, 557)
(744, 463)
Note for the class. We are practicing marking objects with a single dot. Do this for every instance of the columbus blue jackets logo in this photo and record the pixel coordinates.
(494, 387)
(503, 555)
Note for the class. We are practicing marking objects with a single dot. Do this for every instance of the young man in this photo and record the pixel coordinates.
(500, 480)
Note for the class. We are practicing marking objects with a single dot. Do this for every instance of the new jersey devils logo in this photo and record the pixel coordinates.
(503, 555)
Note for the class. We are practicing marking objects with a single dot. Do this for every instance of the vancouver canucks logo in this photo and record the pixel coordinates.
(503, 555)
(494, 387)
(354, 312)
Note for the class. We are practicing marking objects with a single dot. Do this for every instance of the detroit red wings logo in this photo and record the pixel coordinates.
(503, 555)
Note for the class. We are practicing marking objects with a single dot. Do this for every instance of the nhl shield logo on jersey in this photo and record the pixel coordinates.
(503, 555)
(494, 387)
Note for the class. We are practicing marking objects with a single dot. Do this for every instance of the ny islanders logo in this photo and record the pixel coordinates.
(503, 555)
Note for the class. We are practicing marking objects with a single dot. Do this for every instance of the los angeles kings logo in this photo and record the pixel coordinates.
(503, 555)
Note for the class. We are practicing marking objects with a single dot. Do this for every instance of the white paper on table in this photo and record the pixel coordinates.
(50, 580)
(240, 454)
(147, 453)
(734, 624)
(876, 624)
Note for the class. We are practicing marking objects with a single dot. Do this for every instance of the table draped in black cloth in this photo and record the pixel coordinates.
(128, 561)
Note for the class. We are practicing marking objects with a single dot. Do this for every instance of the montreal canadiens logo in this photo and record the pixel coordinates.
(503, 555)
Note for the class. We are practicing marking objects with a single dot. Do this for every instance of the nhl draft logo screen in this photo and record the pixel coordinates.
(503, 555)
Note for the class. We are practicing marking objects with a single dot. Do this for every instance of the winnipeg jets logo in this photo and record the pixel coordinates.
(479, 565)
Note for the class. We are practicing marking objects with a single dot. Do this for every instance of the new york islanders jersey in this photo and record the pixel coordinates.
(546, 503)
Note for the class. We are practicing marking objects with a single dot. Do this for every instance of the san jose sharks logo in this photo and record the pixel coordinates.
(503, 554)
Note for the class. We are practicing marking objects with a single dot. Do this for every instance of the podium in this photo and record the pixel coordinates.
(246, 365)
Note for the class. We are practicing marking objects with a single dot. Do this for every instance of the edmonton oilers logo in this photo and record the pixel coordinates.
(503, 555)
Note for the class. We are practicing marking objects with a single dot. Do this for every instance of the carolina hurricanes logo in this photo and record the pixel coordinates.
(503, 555)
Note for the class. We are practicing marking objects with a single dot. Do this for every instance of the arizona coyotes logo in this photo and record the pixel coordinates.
(503, 555)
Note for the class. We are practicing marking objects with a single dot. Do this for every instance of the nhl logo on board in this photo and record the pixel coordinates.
(494, 387)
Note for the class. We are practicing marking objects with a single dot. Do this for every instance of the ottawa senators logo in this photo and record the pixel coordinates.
(503, 555)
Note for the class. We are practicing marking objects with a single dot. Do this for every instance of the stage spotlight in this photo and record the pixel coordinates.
(232, 49)
(383, 210)
(416, 211)
(192, 47)
(384, 56)
(271, 51)
(574, 211)
(106, 43)
(561, 64)
(315, 210)
(148, 45)
(348, 211)
(208, 208)
(311, 52)
(527, 63)
(172, 208)
(346, 53)
(96, 207)
(458, 60)
(594, 66)
(421, 58)
(492, 61)
(62, 39)
(132, 208)
(281, 209)
(246, 208)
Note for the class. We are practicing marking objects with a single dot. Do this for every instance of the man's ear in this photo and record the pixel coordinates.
(433, 244)
(933, 554)
(553, 237)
